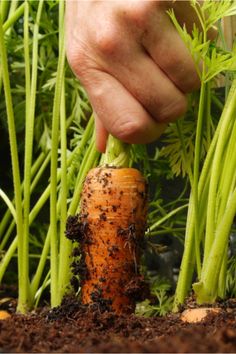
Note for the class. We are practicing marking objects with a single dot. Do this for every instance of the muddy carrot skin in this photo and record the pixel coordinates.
(113, 221)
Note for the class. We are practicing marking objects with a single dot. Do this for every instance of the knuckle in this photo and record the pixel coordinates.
(181, 71)
(186, 78)
(107, 40)
(139, 12)
(170, 61)
(193, 83)
(128, 130)
(184, 75)
(176, 108)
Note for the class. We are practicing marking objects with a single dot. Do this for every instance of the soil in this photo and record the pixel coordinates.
(73, 327)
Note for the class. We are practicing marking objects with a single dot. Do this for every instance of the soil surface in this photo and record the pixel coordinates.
(75, 328)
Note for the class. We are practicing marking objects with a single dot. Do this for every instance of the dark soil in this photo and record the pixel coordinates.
(76, 328)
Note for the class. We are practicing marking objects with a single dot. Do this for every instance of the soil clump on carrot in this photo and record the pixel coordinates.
(73, 327)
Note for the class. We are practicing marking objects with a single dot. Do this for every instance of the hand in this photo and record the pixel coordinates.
(132, 63)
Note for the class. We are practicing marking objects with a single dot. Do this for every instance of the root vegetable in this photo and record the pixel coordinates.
(4, 315)
(112, 225)
(198, 314)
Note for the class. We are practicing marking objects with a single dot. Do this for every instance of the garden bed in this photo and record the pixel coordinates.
(48, 142)
(75, 328)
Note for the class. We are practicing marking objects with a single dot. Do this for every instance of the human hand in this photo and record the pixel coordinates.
(132, 63)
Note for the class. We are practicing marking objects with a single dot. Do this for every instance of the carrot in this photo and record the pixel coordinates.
(112, 224)
(199, 314)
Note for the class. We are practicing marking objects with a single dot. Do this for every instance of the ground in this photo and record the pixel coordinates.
(75, 328)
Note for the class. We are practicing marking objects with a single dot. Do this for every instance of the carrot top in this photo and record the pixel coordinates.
(117, 153)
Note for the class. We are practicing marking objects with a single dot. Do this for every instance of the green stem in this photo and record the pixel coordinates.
(12, 10)
(40, 172)
(7, 233)
(65, 244)
(7, 257)
(208, 114)
(46, 282)
(220, 193)
(188, 260)
(30, 89)
(198, 143)
(29, 132)
(117, 153)
(41, 265)
(184, 281)
(42, 162)
(23, 294)
(45, 251)
(168, 230)
(89, 161)
(4, 7)
(34, 212)
(166, 217)
(197, 157)
(221, 291)
(8, 203)
(217, 102)
(64, 276)
(227, 178)
(226, 118)
(201, 17)
(33, 185)
(53, 174)
(225, 189)
(206, 288)
(7, 216)
(44, 197)
(14, 16)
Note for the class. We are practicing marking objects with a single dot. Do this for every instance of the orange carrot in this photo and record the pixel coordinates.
(112, 222)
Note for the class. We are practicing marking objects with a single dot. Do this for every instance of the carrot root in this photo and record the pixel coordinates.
(110, 229)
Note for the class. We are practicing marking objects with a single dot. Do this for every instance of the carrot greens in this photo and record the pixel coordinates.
(117, 153)
(47, 130)
(211, 207)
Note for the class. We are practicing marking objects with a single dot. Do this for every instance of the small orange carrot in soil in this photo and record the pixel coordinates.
(111, 227)
(195, 315)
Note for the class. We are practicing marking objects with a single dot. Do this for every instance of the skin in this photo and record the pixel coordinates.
(132, 63)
